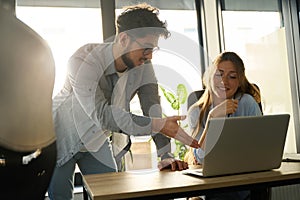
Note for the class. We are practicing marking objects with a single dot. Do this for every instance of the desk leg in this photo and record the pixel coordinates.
(261, 194)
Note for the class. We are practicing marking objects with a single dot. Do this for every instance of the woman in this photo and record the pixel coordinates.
(228, 93)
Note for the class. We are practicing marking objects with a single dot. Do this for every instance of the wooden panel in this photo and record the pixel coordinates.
(132, 185)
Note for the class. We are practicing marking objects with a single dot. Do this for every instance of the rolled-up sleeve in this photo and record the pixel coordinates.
(96, 108)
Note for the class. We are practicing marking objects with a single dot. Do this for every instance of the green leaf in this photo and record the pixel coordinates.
(169, 96)
(175, 105)
(182, 93)
(185, 126)
(180, 150)
(164, 115)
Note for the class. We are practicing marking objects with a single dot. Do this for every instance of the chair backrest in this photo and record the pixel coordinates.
(195, 96)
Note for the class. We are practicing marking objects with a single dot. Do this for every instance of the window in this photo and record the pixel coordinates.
(65, 28)
(178, 60)
(67, 25)
(254, 30)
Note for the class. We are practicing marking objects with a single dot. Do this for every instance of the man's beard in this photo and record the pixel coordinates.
(128, 62)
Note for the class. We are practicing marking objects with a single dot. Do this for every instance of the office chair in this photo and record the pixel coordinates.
(194, 97)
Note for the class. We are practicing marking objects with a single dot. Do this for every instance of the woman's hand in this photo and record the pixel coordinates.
(189, 157)
(228, 106)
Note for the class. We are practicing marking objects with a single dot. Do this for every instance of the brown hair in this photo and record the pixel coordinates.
(141, 16)
(245, 86)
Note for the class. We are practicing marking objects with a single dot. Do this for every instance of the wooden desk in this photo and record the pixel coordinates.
(167, 184)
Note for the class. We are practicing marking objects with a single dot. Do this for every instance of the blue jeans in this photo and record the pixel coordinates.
(62, 182)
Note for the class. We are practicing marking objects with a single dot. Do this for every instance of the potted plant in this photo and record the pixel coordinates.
(176, 100)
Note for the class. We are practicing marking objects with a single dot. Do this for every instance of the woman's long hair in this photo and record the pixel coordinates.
(205, 100)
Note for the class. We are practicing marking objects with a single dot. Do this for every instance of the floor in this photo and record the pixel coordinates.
(77, 194)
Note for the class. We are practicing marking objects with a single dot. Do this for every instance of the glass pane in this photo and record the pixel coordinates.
(163, 4)
(65, 29)
(177, 61)
(260, 40)
(253, 5)
(179, 58)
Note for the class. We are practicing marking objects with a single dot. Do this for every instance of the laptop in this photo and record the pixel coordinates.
(243, 144)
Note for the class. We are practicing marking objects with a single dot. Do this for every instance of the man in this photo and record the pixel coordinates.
(94, 102)
(27, 138)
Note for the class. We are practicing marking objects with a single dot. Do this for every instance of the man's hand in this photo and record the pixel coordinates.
(169, 127)
(173, 164)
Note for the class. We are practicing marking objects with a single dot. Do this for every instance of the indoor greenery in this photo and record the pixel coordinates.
(176, 100)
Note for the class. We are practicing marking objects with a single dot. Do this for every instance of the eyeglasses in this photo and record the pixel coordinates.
(147, 50)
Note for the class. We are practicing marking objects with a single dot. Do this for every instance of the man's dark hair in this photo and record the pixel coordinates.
(144, 19)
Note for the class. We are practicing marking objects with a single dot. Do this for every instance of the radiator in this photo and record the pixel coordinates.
(288, 192)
